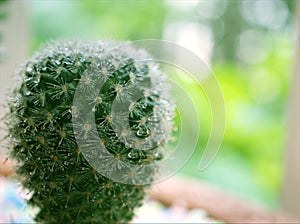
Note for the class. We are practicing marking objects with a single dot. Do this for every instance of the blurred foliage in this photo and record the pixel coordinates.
(3, 16)
(250, 160)
(252, 55)
(3, 12)
(233, 22)
(89, 19)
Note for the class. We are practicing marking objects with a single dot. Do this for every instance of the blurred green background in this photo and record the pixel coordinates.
(247, 43)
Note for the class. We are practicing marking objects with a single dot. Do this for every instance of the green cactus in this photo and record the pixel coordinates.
(64, 185)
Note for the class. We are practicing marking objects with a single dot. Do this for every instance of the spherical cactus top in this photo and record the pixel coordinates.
(87, 122)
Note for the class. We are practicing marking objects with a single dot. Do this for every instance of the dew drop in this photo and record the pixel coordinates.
(139, 133)
(154, 119)
(27, 93)
(29, 69)
(132, 155)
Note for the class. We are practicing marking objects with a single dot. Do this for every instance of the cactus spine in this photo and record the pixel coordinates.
(64, 185)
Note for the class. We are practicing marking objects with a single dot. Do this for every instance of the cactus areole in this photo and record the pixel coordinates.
(87, 123)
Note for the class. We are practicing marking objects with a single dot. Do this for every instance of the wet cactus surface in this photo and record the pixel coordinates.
(64, 185)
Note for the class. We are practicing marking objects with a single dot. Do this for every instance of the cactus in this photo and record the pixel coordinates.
(64, 185)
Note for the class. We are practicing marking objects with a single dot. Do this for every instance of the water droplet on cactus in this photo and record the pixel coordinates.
(27, 92)
(139, 133)
(29, 69)
(133, 155)
(154, 119)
